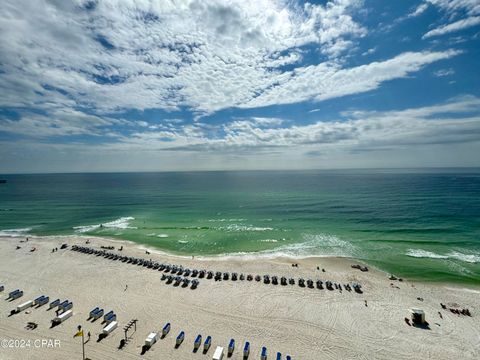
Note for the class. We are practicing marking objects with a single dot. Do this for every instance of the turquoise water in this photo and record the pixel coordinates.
(422, 225)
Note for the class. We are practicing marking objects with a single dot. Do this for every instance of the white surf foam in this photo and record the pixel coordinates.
(470, 258)
(269, 240)
(237, 227)
(162, 235)
(14, 232)
(320, 245)
(120, 223)
(419, 253)
(224, 220)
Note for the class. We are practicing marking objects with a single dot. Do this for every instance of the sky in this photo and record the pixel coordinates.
(157, 85)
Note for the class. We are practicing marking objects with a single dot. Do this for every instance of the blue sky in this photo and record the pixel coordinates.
(194, 85)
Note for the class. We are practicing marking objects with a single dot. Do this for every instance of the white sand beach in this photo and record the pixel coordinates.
(307, 324)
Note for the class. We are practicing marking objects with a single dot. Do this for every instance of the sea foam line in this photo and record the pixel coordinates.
(236, 227)
(320, 245)
(14, 232)
(120, 223)
(420, 253)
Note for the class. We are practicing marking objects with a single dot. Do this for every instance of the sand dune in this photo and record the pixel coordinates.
(308, 324)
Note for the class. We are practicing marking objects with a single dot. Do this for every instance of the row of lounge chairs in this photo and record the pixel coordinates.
(15, 294)
(197, 344)
(177, 271)
(179, 280)
(64, 310)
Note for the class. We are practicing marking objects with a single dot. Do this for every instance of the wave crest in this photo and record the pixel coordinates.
(456, 255)
(120, 223)
(236, 227)
(14, 232)
(320, 245)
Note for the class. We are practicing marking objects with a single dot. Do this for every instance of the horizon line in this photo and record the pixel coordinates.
(243, 170)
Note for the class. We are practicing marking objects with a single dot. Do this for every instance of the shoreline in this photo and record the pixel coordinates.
(243, 256)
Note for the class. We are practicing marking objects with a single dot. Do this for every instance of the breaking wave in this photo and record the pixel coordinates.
(224, 220)
(419, 253)
(14, 232)
(321, 245)
(236, 227)
(120, 223)
(268, 240)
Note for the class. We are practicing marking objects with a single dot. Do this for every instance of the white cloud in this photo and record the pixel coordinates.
(326, 81)
(454, 121)
(420, 9)
(444, 72)
(455, 26)
(205, 56)
(446, 134)
(154, 54)
(369, 51)
(471, 7)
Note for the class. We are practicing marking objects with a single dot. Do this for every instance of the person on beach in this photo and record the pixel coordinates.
(126, 287)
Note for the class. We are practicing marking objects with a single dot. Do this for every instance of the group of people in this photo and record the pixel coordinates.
(465, 312)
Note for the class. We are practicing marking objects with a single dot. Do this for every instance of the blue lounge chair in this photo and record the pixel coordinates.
(41, 300)
(289, 357)
(231, 347)
(279, 356)
(246, 349)
(197, 342)
(63, 304)
(98, 314)
(207, 343)
(54, 303)
(110, 318)
(166, 329)
(93, 312)
(180, 338)
(107, 315)
(263, 353)
(13, 294)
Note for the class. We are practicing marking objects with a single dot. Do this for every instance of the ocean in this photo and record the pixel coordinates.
(419, 224)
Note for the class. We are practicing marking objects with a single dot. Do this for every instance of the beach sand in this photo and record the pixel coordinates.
(308, 324)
